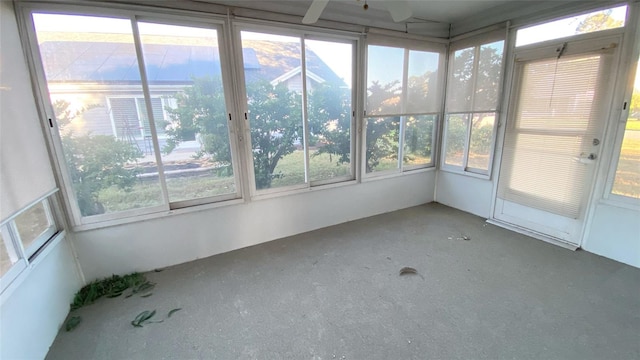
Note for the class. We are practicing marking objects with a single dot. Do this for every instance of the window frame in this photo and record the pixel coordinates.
(134, 15)
(629, 71)
(302, 33)
(407, 45)
(569, 15)
(475, 42)
(14, 244)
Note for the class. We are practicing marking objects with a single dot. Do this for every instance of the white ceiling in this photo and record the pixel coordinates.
(430, 17)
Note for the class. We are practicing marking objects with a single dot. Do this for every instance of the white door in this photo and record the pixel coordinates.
(553, 137)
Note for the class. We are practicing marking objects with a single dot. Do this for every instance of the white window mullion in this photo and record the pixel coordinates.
(140, 117)
(305, 115)
(467, 142)
(152, 125)
(403, 107)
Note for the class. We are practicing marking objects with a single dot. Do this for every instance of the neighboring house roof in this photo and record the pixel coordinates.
(291, 73)
(81, 61)
(116, 62)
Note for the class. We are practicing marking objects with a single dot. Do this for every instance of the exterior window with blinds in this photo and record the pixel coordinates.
(403, 102)
(473, 93)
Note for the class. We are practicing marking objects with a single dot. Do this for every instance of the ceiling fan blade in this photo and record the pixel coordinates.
(400, 10)
(314, 12)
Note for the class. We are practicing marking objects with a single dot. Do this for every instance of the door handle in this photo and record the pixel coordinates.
(586, 159)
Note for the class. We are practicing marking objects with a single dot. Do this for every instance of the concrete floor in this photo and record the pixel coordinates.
(335, 293)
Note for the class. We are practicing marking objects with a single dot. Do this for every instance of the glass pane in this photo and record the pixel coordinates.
(581, 24)
(488, 81)
(455, 139)
(7, 257)
(31, 224)
(329, 77)
(418, 139)
(92, 74)
(460, 86)
(183, 68)
(423, 91)
(627, 180)
(481, 140)
(382, 143)
(272, 69)
(384, 80)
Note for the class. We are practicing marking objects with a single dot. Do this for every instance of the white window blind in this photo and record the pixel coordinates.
(546, 161)
(474, 78)
(26, 173)
(403, 76)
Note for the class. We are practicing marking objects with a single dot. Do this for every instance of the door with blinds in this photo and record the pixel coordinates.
(560, 104)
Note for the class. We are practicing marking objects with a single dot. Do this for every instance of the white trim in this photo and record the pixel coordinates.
(533, 234)
(387, 174)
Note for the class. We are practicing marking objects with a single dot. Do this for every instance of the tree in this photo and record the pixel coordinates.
(201, 110)
(275, 123)
(95, 162)
(329, 108)
(486, 84)
(599, 21)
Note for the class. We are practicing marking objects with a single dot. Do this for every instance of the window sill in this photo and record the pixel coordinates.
(621, 202)
(298, 190)
(466, 173)
(393, 174)
(204, 207)
(155, 215)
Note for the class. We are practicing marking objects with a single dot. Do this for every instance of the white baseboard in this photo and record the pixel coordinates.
(534, 234)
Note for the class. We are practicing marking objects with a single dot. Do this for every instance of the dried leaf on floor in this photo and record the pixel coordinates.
(142, 317)
(408, 270)
(72, 323)
(173, 311)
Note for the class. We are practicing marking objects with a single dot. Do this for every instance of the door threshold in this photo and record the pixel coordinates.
(534, 234)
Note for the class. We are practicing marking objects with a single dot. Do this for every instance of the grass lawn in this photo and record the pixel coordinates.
(321, 167)
(147, 193)
(291, 172)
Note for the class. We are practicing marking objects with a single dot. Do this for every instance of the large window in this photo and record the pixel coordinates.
(403, 102)
(196, 147)
(22, 236)
(299, 100)
(141, 127)
(627, 177)
(471, 107)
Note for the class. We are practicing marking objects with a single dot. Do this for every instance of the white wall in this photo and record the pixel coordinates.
(615, 233)
(179, 238)
(465, 193)
(35, 306)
